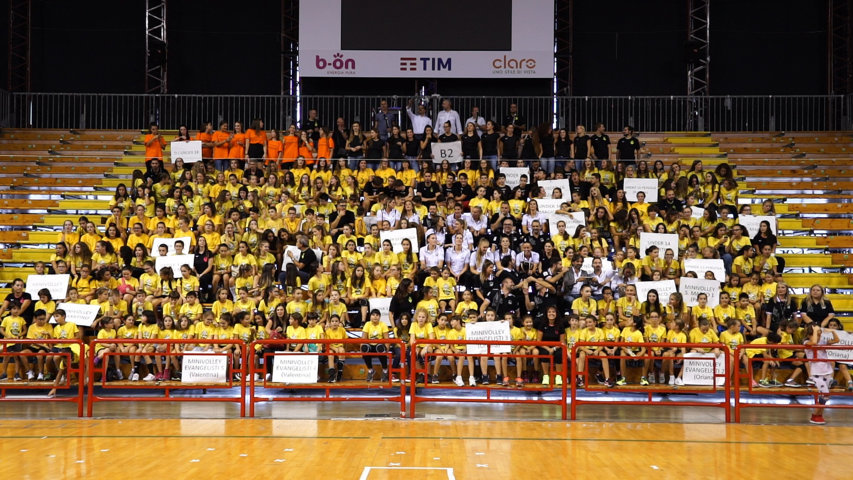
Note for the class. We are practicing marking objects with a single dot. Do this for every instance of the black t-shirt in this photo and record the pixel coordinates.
(355, 142)
(201, 261)
(459, 189)
(815, 311)
(516, 120)
(412, 148)
(601, 146)
(428, 192)
(395, 148)
(490, 143)
(546, 142)
(506, 192)
(448, 137)
(401, 306)
(348, 219)
(510, 147)
(25, 314)
(375, 149)
(563, 148)
(528, 149)
(628, 148)
(550, 333)
(580, 142)
(469, 146)
(507, 304)
(340, 140)
(779, 311)
(309, 260)
(426, 152)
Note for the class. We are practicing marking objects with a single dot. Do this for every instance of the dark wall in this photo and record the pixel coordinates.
(621, 48)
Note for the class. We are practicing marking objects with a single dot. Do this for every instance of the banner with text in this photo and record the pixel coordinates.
(190, 151)
(663, 241)
(396, 237)
(690, 289)
(573, 221)
(79, 314)
(57, 284)
(563, 184)
(204, 368)
(753, 222)
(701, 368)
(383, 304)
(174, 261)
(295, 368)
(649, 186)
(491, 331)
(450, 151)
(513, 175)
(665, 288)
(170, 244)
(700, 266)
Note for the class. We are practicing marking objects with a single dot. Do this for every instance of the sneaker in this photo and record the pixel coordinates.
(764, 383)
(331, 374)
(621, 381)
(61, 379)
(420, 378)
(395, 378)
(679, 382)
(459, 382)
(384, 377)
(791, 383)
(643, 381)
(134, 377)
(775, 383)
(370, 374)
(753, 383)
(111, 375)
(580, 382)
(546, 379)
(472, 382)
(672, 380)
(17, 377)
(30, 376)
(433, 379)
(340, 375)
(850, 386)
(661, 379)
(49, 376)
(817, 420)
(600, 378)
(810, 382)
(519, 382)
(119, 375)
(268, 377)
(40, 377)
(484, 379)
(177, 377)
(148, 378)
(505, 382)
(558, 380)
(651, 379)
(257, 377)
(3, 377)
(609, 383)
(167, 375)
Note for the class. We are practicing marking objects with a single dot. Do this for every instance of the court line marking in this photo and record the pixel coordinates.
(623, 440)
(2, 437)
(366, 472)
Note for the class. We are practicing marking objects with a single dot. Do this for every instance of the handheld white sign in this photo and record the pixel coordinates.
(649, 186)
(57, 284)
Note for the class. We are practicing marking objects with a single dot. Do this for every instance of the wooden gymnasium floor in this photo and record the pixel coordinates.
(416, 449)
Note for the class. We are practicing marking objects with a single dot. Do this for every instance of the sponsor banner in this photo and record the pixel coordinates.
(691, 288)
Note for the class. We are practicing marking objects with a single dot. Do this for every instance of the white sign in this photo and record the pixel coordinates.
(844, 339)
(697, 212)
(699, 369)
(550, 205)
(174, 261)
(57, 284)
(649, 186)
(606, 265)
(450, 151)
(490, 331)
(690, 289)
(701, 265)
(752, 222)
(79, 314)
(295, 368)
(573, 221)
(190, 151)
(204, 368)
(292, 249)
(170, 244)
(396, 237)
(665, 288)
(549, 185)
(663, 241)
(383, 304)
(513, 175)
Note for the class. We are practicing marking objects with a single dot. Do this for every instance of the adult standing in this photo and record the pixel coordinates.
(340, 136)
(383, 120)
(489, 142)
(312, 126)
(513, 118)
(448, 114)
(154, 144)
(581, 147)
(600, 144)
(478, 121)
(205, 136)
(628, 146)
(419, 120)
(256, 140)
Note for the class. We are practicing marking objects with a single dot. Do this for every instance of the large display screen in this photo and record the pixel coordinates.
(433, 39)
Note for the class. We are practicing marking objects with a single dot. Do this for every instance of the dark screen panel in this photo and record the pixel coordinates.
(426, 25)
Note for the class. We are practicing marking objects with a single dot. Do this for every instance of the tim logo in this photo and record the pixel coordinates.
(425, 64)
(338, 62)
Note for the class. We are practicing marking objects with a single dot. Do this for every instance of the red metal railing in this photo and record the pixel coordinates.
(167, 386)
(328, 389)
(417, 397)
(79, 371)
(650, 391)
(788, 391)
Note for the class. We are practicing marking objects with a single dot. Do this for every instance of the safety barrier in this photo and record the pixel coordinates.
(659, 389)
(67, 359)
(420, 397)
(783, 390)
(309, 371)
(214, 380)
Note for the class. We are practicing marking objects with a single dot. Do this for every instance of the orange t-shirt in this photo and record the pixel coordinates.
(256, 136)
(325, 147)
(206, 152)
(222, 150)
(155, 150)
(291, 148)
(238, 146)
(304, 152)
(273, 149)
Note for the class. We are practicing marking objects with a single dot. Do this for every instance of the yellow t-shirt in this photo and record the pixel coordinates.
(463, 307)
(731, 339)
(14, 327)
(585, 308)
(375, 331)
(633, 336)
(421, 332)
(446, 288)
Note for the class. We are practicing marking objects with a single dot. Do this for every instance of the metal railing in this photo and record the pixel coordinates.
(648, 114)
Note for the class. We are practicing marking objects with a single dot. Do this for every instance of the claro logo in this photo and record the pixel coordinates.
(507, 63)
(338, 62)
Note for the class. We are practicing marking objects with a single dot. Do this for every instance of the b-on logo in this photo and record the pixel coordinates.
(338, 62)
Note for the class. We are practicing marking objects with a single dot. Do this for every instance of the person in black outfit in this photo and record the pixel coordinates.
(339, 137)
(553, 329)
(489, 141)
(374, 147)
(311, 125)
(509, 144)
(628, 146)
(669, 203)
(580, 147)
(515, 120)
(447, 135)
(339, 218)
(428, 190)
(19, 297)
(528, 148)
(501, 186)
(395, 147)
(562, 148)
(305, 263)
(600, 143)
(470, 143)
(403, 301)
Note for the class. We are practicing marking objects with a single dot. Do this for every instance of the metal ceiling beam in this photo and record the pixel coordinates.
(20, 78)
(156, 51)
